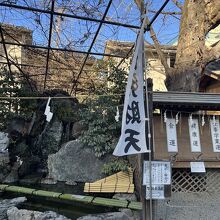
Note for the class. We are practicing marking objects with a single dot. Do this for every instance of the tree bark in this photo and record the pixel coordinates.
(198, 18)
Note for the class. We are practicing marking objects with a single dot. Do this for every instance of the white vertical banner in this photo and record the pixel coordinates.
(133, 138)
(194, 135)
(171, 135)
(215, 132)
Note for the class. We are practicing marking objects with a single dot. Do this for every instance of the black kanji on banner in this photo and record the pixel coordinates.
(133, 113)
(131, 140)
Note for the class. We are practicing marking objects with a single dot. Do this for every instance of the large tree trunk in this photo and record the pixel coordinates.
(198, 17)
(186, 79)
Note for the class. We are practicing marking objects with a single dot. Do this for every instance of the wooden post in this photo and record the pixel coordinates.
(147, 205)
(151, 155)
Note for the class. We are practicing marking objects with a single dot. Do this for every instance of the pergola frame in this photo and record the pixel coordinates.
(53, 13)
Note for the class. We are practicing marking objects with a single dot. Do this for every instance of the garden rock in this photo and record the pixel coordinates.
(107, 216)
(8, 203)
(4, 141)
(74, 163)
(51, 139)
(22, 214)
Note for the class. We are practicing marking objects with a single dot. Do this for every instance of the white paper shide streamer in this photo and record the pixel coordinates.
(117, 115)
(133, 139)
(47, 111)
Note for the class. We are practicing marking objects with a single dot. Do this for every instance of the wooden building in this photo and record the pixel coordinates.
(154, 67)
(63, 66)
(180, 106)
(190, 193)
(210, 79)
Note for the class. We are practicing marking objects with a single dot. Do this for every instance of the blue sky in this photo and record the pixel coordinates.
(74, 32)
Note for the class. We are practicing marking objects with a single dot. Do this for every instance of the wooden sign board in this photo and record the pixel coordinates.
(184, 156)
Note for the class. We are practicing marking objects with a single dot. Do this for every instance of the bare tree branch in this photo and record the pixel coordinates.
(157, 45)
(159, 50)
(140, 5)
(167, 12)
(178, 4)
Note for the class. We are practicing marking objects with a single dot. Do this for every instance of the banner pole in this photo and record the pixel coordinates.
(147, 204)
(149, 134)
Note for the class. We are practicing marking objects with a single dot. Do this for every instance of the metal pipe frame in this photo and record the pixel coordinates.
(38, 66)
(69, 15)
(147, 29)
(156, 15)
(91, 46)
(52, 12)
(62, 49)
(49, 42)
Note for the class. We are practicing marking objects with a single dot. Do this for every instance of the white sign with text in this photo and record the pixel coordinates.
(194, 135)
(157, 192)
(171, 135)
(197, 167)
(160, 173)
(215, 132)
